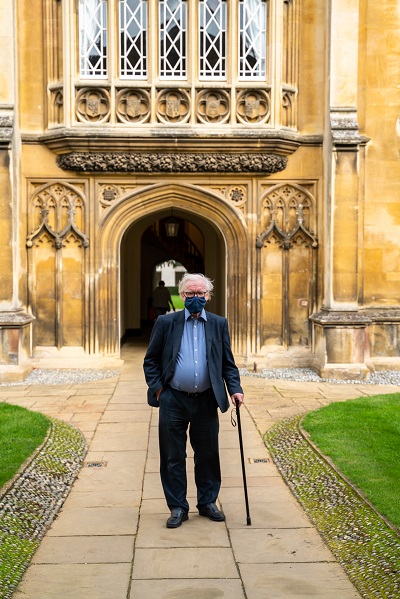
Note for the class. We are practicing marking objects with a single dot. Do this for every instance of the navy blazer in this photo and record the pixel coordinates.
(160, 359)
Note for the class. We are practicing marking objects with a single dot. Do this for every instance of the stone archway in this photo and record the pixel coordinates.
(161, 198)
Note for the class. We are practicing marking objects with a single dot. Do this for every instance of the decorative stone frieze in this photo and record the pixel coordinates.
(253, 106)
(93, 105)
(212, 106)
(173, 106)
(185, 163)
(133, 106)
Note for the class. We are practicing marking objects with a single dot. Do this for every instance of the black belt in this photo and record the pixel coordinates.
(197, 394)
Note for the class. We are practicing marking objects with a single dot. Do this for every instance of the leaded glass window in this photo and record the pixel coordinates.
(133, 35)
(252, 39)
(212, 39)
(93, 38)
(173, 39)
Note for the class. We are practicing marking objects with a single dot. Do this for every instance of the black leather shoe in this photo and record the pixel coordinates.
(176, 518)
(211, 511)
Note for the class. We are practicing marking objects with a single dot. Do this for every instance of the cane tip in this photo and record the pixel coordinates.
(248, 521)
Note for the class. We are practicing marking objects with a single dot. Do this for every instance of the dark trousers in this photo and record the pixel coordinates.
(178, 412)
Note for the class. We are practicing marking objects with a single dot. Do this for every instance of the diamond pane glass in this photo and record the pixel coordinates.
(212, 39)
(93, 38)
(172, 41)
(252, 39)
(133, 35)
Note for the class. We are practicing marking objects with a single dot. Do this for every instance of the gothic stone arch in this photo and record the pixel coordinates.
(152, 199)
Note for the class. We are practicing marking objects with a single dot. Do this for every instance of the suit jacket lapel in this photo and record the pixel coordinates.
(209, 329)
(177, 332)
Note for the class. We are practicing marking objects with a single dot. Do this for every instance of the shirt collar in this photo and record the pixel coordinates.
(203, 314)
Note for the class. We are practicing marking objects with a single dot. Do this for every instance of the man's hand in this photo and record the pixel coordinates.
(158, 393)
(237, 397)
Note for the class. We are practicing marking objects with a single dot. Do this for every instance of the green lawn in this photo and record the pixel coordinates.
(362, 437)
(21, 432)
(177, 301)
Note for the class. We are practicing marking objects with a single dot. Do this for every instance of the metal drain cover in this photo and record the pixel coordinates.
(95, 464)
(259, 460)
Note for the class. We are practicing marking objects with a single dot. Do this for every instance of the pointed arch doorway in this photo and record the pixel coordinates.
(117, 268)
(198, 246)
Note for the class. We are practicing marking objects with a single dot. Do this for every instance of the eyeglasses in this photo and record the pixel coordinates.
(193, 293)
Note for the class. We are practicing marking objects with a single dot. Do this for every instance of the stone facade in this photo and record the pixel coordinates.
(285, 185)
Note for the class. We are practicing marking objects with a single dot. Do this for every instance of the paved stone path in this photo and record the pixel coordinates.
(110, 540)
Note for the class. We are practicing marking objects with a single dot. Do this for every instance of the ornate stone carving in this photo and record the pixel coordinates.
(237, 194)
(108, 194)
(133, 106)
(173, 106)
(59, 212)
(212, 106)
(287, 216)
(185, 163)
(92, 105)
(253, 106)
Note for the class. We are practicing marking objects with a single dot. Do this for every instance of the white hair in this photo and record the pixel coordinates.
(187, 277)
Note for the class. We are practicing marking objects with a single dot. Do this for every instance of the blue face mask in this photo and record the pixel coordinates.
(195, 304)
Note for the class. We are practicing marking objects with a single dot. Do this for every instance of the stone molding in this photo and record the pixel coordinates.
(6, 128)
(344, 128)
(174, 162)
(356, 318)
(10, 319)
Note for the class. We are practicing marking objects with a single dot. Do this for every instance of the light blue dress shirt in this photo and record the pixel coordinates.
(191, 370)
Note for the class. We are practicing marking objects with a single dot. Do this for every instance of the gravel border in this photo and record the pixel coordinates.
(363, 543)
(64, 376)
(31, 501)
(306, 375)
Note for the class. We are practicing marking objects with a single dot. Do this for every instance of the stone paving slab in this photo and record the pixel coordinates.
(188, 562)
(85, 550)
(126, 416)
(94, 521)
(264, 515)
(108, 499)
(296, 581)
(187, 589)
(75, 581)
(279, 545)
(196, 532)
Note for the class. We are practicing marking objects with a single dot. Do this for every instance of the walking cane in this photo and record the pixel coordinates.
(246, 498)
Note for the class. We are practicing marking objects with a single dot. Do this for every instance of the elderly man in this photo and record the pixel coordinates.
(188, 363)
